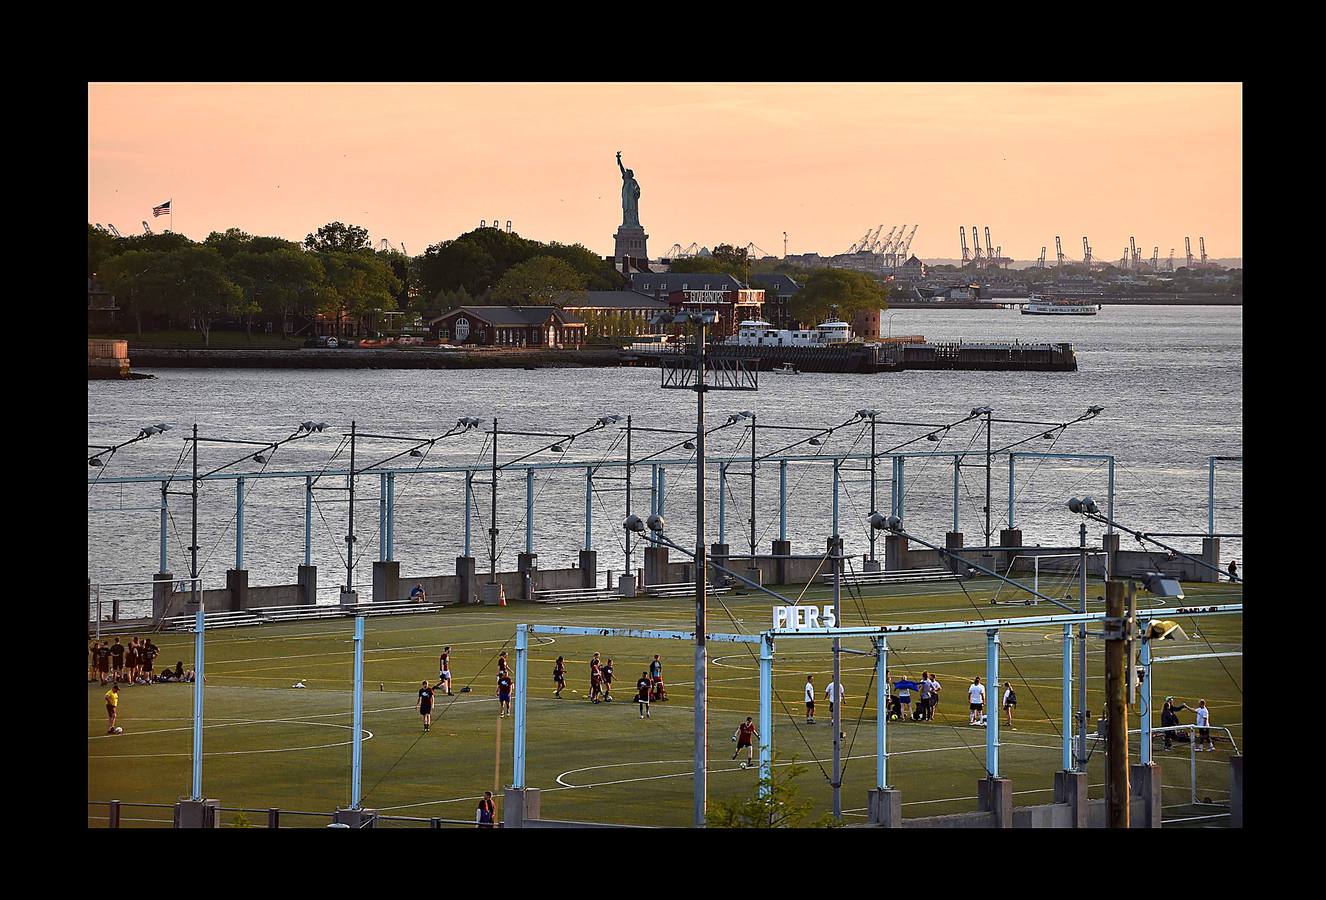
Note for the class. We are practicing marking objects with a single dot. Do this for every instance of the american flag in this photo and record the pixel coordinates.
(162, 210)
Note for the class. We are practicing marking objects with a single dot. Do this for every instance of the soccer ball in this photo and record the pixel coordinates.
(117, 730)
(744, 765)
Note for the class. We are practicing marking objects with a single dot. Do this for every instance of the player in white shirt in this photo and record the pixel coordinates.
(934, 697)
(976, 700)
(828, 694)
(1203, 727)
(810, 700)
(1010, 700)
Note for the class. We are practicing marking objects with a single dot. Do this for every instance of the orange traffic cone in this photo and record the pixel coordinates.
(501, 595)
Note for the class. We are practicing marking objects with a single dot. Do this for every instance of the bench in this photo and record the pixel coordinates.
(893, 576)
(575, 595)
(682, 589)
(268, 614)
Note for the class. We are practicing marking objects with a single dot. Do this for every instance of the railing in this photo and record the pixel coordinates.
(119, 813)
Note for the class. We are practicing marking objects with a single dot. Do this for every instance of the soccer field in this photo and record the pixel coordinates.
(267, 744)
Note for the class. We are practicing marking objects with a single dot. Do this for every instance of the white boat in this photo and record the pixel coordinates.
(1039, 306)
(759, 333)
(786, 369)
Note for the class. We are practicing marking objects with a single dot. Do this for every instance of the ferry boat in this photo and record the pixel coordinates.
(759, 333)
(1039, 306)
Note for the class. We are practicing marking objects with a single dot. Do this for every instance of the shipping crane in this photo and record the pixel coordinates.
(1086, 252)
(989, 250)
(977, 258)
(752, 249)
(1202, 243)
(784, 245)
(877, 245)
(147, 229)
(404, 252)
(1040, 264)
(860, 245)
(1170, 267)
(1058, 252)
(966, 254)
(1155, 259)
(907, 245)
(1132, 253)
(384, 245)
(1187, 248)
(115, 231)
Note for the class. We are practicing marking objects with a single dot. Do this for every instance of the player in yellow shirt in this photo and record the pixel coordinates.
(112, 706)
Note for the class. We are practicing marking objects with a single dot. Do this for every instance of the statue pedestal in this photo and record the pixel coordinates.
(631, 240)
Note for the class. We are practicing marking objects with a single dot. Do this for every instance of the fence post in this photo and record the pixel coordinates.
(273, 817)
(435, 822)
(114, 815)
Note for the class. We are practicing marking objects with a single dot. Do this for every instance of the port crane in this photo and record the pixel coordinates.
(1086, 252)
(907, 244)
(784, 245)
(976, 247)
(990, 258)
(1155, 259)
(1202, 243)
(966, 254)
(1132, 253)
(115, 231)
(1058, 252)
(1187, 247)
(1170, 267)
(147, 229)
(1040, 263)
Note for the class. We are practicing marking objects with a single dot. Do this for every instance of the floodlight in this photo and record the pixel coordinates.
(154, 429)
(312, 426)
(737, 416)
(634, 523)
(867, 413)
(815, 442)
(557, 448)
(612, 419)
(932, 436)
(689, 445)
(94, 462)
(258, 457)
(1049, 435)
(1094, 411)
(1162, 585)
(416, 452)
(1085, 505)
(881, 522)
(656, 523)
(980, 411)
(468, 422)
(1166, 630)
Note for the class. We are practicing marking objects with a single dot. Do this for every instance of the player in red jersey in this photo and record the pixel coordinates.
(595, 679)
(746, 731)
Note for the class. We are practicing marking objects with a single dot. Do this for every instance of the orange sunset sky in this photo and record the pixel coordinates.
(736, 163)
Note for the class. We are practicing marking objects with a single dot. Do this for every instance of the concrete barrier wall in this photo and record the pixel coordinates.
(273, 595)
(437, 588)
(1049, 815)
(956, 820)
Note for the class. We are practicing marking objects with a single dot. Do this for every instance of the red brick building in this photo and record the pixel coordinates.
(509, 326)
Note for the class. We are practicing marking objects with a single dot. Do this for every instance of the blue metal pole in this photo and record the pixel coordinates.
(529, 510)
(1068, 698)
(992, 697)
(653, 497)
(382, 516)
(589, 508)
(522, 668)
(357, 756)
(893, 488)
(957, 468)
(782, 500)
(1012, 457)
(1210, 501)
(902, 483)
(766, 712)
(469, 502)
(391, 515)
(1110, 528)
(722, 503)
(308, 520)
(662, 489)
(1146, 700)
(198, 671)
(164, 514)
(881, 713)
(239, 523)
(836, 463)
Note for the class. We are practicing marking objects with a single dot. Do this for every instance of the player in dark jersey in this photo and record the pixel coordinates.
(425, 704)
(745, 731)
(148, 654)
(104, 662)
(502, 668)
(595, 679)
(92, 662)
(642, 689)
(660, 694)
(117, 659)
(131, 660)
(504, 694)
(559, 677)
(607, 680)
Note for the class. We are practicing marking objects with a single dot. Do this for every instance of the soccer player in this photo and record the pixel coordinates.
(502, 668)
(104, 662)
(117, 659)
(607, 680)
(112, 706)
(1010, 701)
(934, 697)
(660, 693)
(504, 694)
(444, 670)
(559, 677)
(595, 679)
(131, 660)
(92, 662)
(148, 653)
(642, 689)
(483, 816)
(425, 704)
(976, 700)
(810, 700)
(923, 704)
(745, 731)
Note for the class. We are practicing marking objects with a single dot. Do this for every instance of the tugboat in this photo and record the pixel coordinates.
(786, 369)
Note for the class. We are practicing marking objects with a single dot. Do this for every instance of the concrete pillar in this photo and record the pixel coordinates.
(885, 808)
(1236, 791)
(162, 593)
(1144, 785)
(527, 564)
(589, 568)
(1110, 544)
(1071, 788)
(1009, 537)
(237, 582)
(492, 594)
(781, 549)
(386, 581)
(953, 541)
(895, 552)
(626, 585)
(996, 795)
(1210, 556)
(519, 805)
(656, 565)
(349, 598)
(718, 554)
(198, 814)
(308, 585)
(466, 589)
(356, 818)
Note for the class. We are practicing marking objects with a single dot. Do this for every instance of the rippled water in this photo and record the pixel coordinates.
(1170, 378)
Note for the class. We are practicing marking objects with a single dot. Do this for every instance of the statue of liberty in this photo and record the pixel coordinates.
(630, 195)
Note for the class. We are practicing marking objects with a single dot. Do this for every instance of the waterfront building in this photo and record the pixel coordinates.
(509, 326)
(608, 314)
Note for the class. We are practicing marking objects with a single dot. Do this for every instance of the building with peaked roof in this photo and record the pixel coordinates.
(509, 326)
(661, 284)
(778, 290)
(609, 314)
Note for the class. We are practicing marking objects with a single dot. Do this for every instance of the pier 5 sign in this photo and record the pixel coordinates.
(796, 618)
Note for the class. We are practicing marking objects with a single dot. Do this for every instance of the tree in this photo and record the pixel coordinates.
(842, 288)
(705, 265)
(198, 287)
(337, 237)
(137, 278)
(453, 264)
(731, 256)
(228, 242)
(774, 805)
(360, 285)
(280, 282)
(101, 246)
(537, 281)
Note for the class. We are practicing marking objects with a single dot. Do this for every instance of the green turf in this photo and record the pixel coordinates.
(267, 744)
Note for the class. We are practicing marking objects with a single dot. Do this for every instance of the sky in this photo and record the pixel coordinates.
(717, 163)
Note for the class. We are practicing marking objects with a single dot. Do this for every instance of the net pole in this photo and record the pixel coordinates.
(198, 673)
(357, 760)
(700, 800)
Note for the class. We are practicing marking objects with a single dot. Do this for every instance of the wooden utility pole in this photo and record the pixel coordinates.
(1116, 699)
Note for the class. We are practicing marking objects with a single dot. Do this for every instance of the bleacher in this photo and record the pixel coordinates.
(893, 576)
(681, 589)
(576, 595)
(268, 614)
